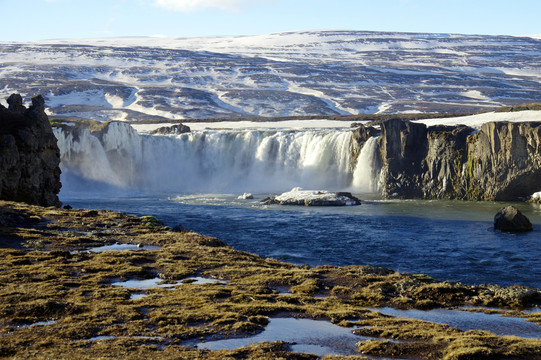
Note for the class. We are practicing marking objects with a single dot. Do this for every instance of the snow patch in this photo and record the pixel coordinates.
(383, 107)
(89, 97)
(298, 196)
(278, 125)
(475, 94)
(476, 121)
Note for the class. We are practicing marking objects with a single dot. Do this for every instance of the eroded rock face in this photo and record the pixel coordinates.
(504, 161)
(29, 155)
(501, 161)
(511, 219)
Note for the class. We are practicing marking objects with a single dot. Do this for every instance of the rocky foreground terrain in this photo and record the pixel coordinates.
(60, 299)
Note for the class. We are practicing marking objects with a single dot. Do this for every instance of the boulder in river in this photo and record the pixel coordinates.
(511, 219)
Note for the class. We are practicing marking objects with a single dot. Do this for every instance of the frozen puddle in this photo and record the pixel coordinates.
(123, 247)
(39, 323)
(197, 280)
(308, 336)
(145, 284)
(111, 337)
(158, 283)
(137, 296)
(464, 320)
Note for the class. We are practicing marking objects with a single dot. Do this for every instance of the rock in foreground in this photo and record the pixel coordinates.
(511, 219)
(297, 196)
(29, 155)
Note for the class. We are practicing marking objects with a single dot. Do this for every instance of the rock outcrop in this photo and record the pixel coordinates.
(298, 196)
(504, 161)
(29, 155)
(501, 161)
(172, 130)
(511, 219)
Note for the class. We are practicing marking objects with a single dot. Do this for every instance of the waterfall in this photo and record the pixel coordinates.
(210, 161)
(365, 175)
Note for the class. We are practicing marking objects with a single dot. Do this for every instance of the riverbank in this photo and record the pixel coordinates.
(60, 299)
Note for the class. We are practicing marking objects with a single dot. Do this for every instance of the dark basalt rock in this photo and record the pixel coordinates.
(501, 161)
(172, 130)
(511, 219)
(29, 155)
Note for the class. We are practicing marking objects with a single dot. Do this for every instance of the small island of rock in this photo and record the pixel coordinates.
(298, 196)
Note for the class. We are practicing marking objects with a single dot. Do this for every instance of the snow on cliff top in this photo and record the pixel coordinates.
(245, 125)
(474, 121)
(477, 120)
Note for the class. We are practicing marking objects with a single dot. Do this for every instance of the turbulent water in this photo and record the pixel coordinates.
(194, 180)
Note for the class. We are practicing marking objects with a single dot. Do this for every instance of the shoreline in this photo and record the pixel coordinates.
(58, 282)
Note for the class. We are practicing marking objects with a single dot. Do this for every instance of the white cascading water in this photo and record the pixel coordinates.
(215, 161)
(365, 175)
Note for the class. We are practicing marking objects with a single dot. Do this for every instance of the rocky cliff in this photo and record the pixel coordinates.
(29, 155)
(501, 161)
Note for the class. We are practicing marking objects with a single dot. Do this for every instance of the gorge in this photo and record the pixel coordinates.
(398, 159)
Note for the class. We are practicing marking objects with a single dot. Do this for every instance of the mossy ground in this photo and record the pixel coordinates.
(46, 276)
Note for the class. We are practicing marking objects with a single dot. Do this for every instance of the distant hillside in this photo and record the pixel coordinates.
(286, 74)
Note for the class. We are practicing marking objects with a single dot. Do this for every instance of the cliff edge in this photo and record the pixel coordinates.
(501, 161)
(29, 155)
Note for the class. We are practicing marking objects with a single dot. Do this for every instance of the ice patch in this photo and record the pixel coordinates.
(145, 284)
(123, 247)
(39, 323)
(159, 283)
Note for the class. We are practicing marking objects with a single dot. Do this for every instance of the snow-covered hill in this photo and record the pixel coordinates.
(297, 73)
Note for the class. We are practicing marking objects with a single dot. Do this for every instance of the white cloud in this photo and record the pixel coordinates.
(194, 5)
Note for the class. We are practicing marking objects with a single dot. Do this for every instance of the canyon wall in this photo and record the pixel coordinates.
(501, 161)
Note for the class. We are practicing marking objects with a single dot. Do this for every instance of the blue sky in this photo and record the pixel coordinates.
(53, 19)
